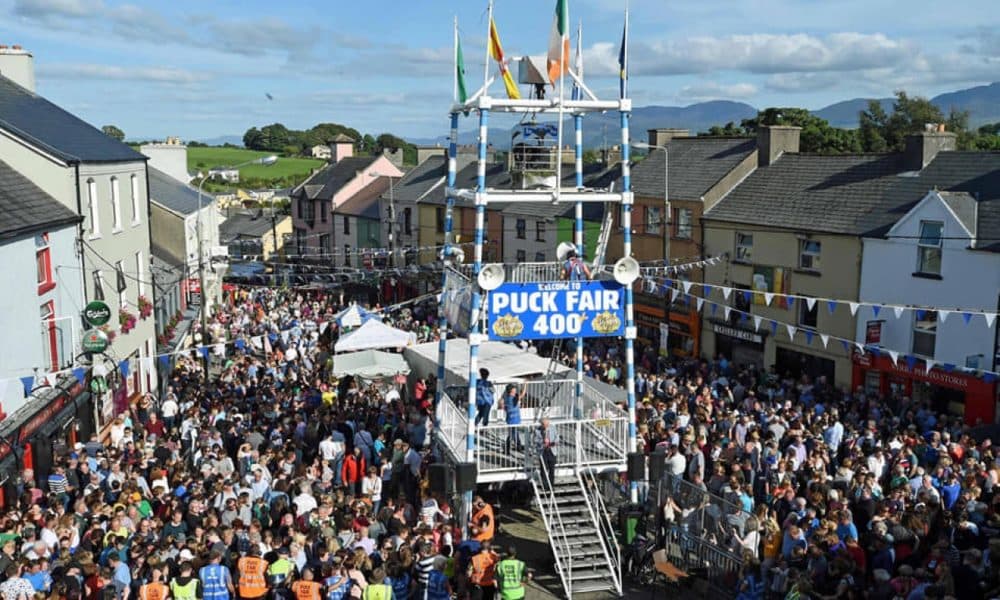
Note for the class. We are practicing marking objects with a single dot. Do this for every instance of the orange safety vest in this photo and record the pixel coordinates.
(155, 590)
(484, 567)
(252, 583)
(485, 533)
(305, 590)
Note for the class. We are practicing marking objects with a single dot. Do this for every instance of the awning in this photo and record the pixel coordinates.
(375, 335)
(354, 316)
(369, 364)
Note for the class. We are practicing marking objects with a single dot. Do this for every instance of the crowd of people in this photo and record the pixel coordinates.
(264, 476)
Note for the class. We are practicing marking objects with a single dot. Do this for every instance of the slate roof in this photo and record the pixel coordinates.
(963, 204)
(421, 179)
(45, 125)
(242, 225)
(325, 183)
(977, 173)
(174, 195)
(835, 194)
(696, 165)
(342, 138)
(25, 208)
(365, 203)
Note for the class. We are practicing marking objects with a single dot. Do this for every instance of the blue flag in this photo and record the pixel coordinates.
(28, 383)
(164, 360)
(81, 374)
(623, 62)
(123, 366)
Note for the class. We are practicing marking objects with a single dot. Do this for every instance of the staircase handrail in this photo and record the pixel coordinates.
(599, 513)
(565, 572)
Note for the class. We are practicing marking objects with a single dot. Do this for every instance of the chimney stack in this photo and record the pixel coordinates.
(922, 147)
(660, 137)
(775, 140)
(18, 65)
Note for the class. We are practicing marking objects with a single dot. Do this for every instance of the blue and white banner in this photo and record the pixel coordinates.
(540, 311)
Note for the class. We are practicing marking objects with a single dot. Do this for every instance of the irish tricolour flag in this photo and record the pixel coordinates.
(559, 42)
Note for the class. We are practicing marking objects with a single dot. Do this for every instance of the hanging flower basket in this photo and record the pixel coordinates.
(127, 320)
(145, 307)
(111, 333)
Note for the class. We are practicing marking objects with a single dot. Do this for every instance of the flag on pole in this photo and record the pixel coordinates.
(496, 53)
(623, 61)
(578, 65)
(558, 59)
(463, 95)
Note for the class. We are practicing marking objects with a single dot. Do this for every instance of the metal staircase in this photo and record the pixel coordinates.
(586, 557)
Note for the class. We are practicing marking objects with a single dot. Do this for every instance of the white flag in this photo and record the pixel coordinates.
(756, 323)
(699, 302)
(791, 331)
(726, 311)
(687, 286)
(810, 302)
(893, 355)
(50, 378)
(930, 365)
(824, 338)
(944, 315)
(674, 292)
(220, 349)
(899, 312)
(768, 296)
(861, 347)
(726, 291)
(854, 308)
(990, 318)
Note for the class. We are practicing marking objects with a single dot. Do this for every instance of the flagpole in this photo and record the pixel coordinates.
(486, 62)
(454, 71)
(625, 46)
(562, 82)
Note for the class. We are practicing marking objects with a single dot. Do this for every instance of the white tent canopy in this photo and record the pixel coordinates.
(354, 315)
(370, 364)
(374, 335)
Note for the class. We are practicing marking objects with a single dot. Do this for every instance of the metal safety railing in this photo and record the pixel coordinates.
(504, 447)
(552, 519)
(524, 272)
(606, 529)
(602, 441)
(453, 426)
(703, 514)
(704, 560)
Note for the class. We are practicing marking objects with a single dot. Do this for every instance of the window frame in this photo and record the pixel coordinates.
(679, 223)
(140, 272)
(816, 258)
(43, 264)
(50, 332)
(539, 257)
(540, 230)
(804, 312)
(931, 332)
(408, 221)
(521, 256)
(347, 224)
(99, 292)
(116, 206)
(93, 209)
(654, 226)
(134, 184)
(521, 229)
(922, 247)
(743, 252)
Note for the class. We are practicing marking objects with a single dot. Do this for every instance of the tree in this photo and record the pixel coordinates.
(881, 132)
(112, 131)
(817, 135)
(275, 137)
(253, 139)
(729, 130)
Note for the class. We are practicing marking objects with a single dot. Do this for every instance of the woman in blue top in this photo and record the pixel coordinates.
(511, 404)
(400, 581)
(438, 587)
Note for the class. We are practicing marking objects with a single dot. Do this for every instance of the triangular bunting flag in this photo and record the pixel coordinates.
(756, 322)
(284, 336)
(944, 315)
(824, 338)
(831, 306)
(699, 302)
(990, 318)
(930, 364)
(674, 292)
(875, 350)
(911, 361)
(791, 331)
(714, 308)
(28, 383)
(846, 345)
(854, 308)
(124, 366)
(860, 347)
(240, 344)
(948, 367)
(726, 291)
(148, 363)
(966, 317)
(80, 373)
(50, 379)
(768, 296)
(203, 350)
(989, 377)
(725, 312)
(875, 309)
(921, 314)
(747, 296)
(743, 318)
(810, 302)
(164, 360)
(893, 355)
(809, 336)
(774, 328)
(791, 302)
(220, 349)
(687, 286)
(898, 310)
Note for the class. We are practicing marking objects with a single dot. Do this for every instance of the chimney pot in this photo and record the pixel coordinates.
(775, 140)
(17, 47)
(941, 128)
(923, 146)
(659, 137)
(3, 46)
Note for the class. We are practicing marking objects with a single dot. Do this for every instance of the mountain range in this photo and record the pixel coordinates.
(982, 102)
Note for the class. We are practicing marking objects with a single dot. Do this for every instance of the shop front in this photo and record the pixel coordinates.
(684, 334)
(795, 364)
(740, 346)
(953, 392)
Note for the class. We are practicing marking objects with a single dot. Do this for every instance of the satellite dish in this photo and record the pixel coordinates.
(626, 270)
(491, 277)
(563, 250)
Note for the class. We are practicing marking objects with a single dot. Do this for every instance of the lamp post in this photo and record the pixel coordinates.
(264, 160)
(666, 217)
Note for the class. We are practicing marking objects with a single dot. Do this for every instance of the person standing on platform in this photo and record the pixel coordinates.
(511, 405)
(484, 398)
(548, 442)
(574, 269)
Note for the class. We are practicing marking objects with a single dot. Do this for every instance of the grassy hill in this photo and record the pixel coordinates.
(286, 172)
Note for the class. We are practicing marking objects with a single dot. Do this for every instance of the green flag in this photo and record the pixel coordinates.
(460, 73)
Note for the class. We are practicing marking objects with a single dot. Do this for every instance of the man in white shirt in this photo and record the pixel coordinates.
(304, 502)
(676, 462)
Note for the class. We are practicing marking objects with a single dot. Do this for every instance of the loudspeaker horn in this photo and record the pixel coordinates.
(563, 250)
(491, 277)
(626, 270)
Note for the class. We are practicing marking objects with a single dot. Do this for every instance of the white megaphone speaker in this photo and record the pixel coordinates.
(491, 277)
(626, 270)
(454, 253)
(563, 250)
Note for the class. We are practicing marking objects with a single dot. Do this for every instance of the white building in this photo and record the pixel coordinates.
(170, 157)
(321, 151)
(224, 174)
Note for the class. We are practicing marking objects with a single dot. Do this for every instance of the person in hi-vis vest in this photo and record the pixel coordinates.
(250, 571)
(511, 575)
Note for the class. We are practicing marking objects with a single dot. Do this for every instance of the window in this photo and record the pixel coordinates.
(122, 284)
(98, 285)
(521, 256)
(324, 243)
(808, 316)
(139, 274)
(300, 241)
(93, 209)
(539, 231)
(439, 219)
(322, 212)
(522, 228)
(744, 247)
(654, 219)
(924, 333)
(136, 212)
(43, 263)
(929, 248)
(539, 257)
(347, 225)
(741, 303)
(407, 221)
(684, 218)
(116, 206)
(809, 254)
(50, 335)
(347, 255)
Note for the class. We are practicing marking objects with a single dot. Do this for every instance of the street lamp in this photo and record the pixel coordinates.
(666, 217)
(266, 161)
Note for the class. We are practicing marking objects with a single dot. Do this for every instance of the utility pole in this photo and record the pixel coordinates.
(274, 229)
(392, 226)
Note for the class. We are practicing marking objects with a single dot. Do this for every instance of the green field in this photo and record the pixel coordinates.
(286, 172)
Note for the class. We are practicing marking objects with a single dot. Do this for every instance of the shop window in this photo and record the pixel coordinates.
(744, 247)
(924, 333)
(809, 251)
(808, 316)
(522, 229)
(741, 304)
(929, 248)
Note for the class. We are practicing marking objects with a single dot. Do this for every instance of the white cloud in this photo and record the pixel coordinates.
(802, 82)
(116, 73)
(711, 90)
(49, 10)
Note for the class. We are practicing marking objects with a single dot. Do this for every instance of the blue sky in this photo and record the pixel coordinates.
(202, 69)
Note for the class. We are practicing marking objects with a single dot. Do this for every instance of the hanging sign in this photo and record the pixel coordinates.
(94, 340)
(96, 313)
(539, 311)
